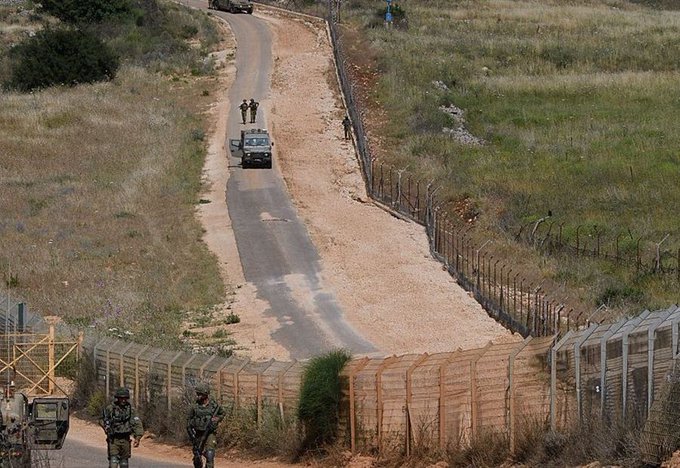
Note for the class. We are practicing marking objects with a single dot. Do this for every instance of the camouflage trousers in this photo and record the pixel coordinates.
(119, 451)
(208, 451)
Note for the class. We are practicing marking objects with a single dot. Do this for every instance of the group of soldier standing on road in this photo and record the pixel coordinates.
(124, 429)
(251, 106)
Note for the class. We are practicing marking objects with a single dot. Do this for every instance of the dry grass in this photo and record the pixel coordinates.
(98, 188)
(575, 101)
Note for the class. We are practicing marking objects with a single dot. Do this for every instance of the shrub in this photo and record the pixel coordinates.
(96, 403)
(618, 295)
(86, 11)
(320, 398)
(60, 57)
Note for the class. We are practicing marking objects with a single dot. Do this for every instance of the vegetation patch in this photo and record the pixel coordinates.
(61, 57)
(575, 105)
(320, 398)
(103, 177)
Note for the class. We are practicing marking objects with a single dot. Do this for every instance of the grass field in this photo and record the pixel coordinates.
(99, 185)
(576, 103)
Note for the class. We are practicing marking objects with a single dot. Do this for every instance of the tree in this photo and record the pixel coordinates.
(60, 57)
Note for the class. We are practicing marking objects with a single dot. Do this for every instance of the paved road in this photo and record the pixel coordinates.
(275, 249)
(75, 454)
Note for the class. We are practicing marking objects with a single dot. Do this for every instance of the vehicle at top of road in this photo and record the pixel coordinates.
(30, 423)
(232, 6)
(254, 147)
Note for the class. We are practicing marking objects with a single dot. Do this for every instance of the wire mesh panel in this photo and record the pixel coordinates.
(393, 387)
(424, 399)
(491, 384)
(366, 404)
(617, 370)
(530, 391)
(250, 382)
(664, 350)
(661, 432)
(458, 410)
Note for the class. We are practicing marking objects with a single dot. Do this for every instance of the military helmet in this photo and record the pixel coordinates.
(122, 392)
(203, 389)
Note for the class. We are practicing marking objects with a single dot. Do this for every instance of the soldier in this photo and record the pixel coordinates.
(244, 110)
(202, 421)
(120, 422)
(347, 126)
(253, 109)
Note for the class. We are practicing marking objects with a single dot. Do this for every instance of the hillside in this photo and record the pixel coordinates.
(570, 158)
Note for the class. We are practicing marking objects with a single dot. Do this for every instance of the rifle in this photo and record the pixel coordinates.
(107, 430)
(198, 448)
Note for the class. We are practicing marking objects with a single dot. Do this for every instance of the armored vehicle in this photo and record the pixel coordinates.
(232, 6)
(254, 148)
(28, 424)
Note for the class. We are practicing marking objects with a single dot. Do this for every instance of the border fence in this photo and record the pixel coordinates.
(609, 372)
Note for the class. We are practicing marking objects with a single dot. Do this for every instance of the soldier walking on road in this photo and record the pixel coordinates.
(120, 422)
(347, 126)
(244, 110)
(202, 421)
(253, 109)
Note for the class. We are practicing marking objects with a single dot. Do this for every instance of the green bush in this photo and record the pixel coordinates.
(86, 11)
(320, 398)
(96, 403)
(60, 57)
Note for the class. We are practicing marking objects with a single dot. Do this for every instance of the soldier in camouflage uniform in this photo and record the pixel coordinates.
(244, 110)
(202, 421)
(120, 422)
(252, 105)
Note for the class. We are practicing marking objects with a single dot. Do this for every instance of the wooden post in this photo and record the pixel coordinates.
(409, 395)
(473, 390)
(218, 376)
(136, 392)
(577, 366)
(51, 320)
(442, 396)
(236, 373)
(279, 394)
(352, 416)
(121, 367)
(258, 392)
(379, 401)
(512, 410)
(169, 384)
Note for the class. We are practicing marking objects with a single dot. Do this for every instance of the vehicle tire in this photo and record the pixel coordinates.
(250, 11)
(268, 165)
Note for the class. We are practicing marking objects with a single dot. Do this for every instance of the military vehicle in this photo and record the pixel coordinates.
(254, 147)
(232, 6)
(40, 423)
